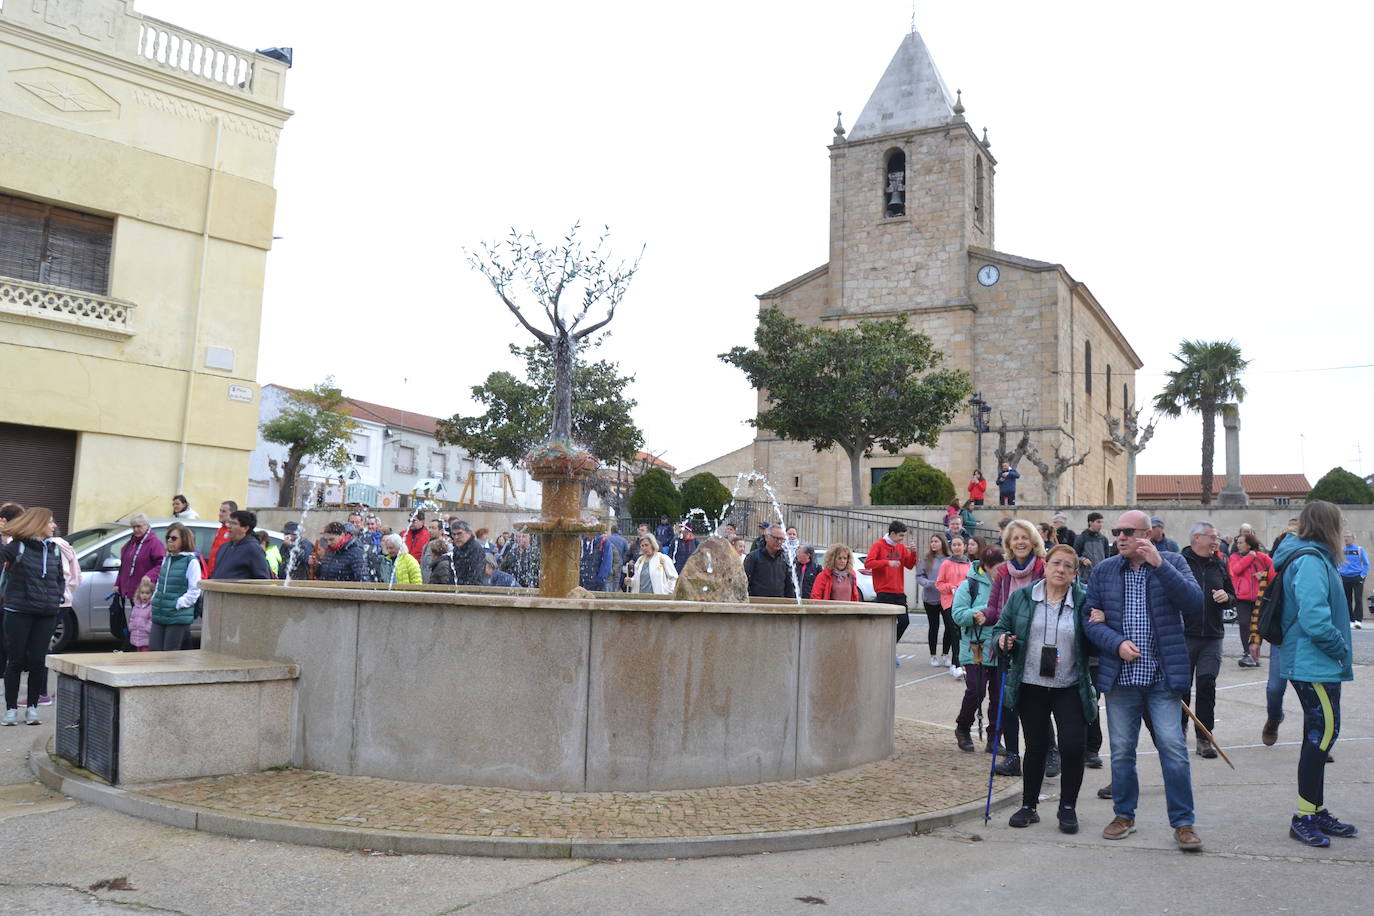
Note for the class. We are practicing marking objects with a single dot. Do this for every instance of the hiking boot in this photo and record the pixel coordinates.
(965, 740)
(1024, 817)
(1270, 733)
(1332, 827)
(1105, 791)
(1187, 839)
(1305, 829)
(1205, 749)
(991, 743)
(1052, 763)
(1068, 820)
(1119, 828)
(1092, 761)
(1009, 765)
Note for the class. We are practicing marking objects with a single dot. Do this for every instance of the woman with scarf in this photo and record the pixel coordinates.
(952, 574)
(836, 581)
(1024, 549)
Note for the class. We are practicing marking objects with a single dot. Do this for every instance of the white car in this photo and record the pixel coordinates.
(862, 576)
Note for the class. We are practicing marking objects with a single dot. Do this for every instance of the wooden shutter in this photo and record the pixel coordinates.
(21, 238)
(52, 245)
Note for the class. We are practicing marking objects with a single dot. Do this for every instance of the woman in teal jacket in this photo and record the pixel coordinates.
(1044, 623)
(1315, 657)
(176, 591)
(980, 670)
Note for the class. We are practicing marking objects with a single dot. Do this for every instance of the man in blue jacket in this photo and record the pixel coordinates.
(1354, 568)
(1006, 485)
(1136, 604)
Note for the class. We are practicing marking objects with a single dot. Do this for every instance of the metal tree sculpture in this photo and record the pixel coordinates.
(1052, 470)
(1131, 439)
(548, 273)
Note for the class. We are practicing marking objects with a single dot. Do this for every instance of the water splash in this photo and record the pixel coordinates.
(296, 548)
(789, 550)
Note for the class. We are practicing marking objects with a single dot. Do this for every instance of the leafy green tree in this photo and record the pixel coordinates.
(913, 483)
(875, 385)
(655, 495)
(1208, 378)
(704, 491)
(1343, 488)
(519, 411)
(312, 426)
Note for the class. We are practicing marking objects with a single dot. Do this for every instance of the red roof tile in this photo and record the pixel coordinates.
(1190, 485)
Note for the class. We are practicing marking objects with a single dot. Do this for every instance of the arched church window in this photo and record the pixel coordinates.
(894, 185)
(1088, 367)
(978, 190)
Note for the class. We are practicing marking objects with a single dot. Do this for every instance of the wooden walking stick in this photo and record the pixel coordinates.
(1207, 734)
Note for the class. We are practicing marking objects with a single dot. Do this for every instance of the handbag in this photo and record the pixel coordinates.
(119, 621)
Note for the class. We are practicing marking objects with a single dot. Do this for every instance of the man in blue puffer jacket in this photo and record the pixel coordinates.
(1135, 604)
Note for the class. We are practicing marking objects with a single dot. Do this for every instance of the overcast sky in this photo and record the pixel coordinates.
(1198, 165)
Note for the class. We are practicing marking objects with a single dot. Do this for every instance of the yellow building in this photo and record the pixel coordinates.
(136, 207)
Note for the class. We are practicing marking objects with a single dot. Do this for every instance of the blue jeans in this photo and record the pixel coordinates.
(1125, 708)
(1274, 690)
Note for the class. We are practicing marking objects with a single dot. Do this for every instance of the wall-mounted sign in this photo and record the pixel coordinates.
(241, 393)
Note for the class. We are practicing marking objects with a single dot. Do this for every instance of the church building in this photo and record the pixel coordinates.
(912, 210)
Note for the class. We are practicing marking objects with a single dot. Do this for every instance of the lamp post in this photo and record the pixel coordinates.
(981, 409)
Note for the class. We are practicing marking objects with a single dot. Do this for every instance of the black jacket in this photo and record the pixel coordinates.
(806, 575)
(346, 564)
(302, 567)
(769, 576)
(469, 561)
(34, 580)
(1211, 573)
(244, 560)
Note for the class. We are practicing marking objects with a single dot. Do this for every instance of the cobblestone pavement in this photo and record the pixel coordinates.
(922, 776)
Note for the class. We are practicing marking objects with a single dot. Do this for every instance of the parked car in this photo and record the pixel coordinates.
(97, 552)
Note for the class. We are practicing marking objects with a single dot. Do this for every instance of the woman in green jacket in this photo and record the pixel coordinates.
(980, 663)
(176, 591)
(405, 569)
(1315, 658)
(1043, 623)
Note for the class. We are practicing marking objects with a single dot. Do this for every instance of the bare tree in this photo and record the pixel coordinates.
(1013, 456)
(1131, 439)
(547, 273)
(1052, 470)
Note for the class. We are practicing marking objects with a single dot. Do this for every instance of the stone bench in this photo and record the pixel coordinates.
(140, 717)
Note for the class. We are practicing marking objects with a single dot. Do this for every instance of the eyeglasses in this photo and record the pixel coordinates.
(1129, 532)
(173, 537)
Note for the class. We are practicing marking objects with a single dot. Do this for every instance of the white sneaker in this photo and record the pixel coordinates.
(31, 717)
(1357, 625)
(11, 717)
(956, 671)
(935, 662)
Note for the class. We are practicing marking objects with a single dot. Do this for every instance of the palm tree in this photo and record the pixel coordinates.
(1208, 379)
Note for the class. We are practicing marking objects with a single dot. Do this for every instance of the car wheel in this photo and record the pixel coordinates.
(65, 633)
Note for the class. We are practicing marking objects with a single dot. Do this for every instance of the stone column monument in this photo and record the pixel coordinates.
(1233, 494)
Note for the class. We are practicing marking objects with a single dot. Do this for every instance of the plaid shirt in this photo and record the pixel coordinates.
(1139, 629)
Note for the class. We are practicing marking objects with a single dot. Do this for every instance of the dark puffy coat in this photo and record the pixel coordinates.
(806, 575)
(769, 576)
(469, 561)
(243, 560)
(1205, 621)
(347, 563)
(34, 580)
(1170, 592)
(441, 571)
(303, 555)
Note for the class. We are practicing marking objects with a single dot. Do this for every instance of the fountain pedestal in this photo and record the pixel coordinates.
(563, 470)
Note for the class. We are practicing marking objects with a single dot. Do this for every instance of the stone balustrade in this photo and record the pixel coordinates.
(187, 53)
(39, 303)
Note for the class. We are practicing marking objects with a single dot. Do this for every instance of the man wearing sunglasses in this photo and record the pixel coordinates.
(1136, 604)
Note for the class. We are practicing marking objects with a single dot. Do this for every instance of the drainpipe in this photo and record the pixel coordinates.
(200, 306)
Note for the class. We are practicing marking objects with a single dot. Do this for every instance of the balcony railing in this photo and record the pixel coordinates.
(188, 53)
(38, 303)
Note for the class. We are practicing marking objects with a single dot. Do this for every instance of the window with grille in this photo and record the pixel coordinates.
(41, 243)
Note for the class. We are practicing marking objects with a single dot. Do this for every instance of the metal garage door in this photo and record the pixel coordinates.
(36, 468)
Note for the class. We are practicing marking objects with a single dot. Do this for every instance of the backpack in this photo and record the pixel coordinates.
(1269, 602)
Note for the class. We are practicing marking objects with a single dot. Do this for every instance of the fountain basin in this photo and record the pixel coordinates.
(507, 688)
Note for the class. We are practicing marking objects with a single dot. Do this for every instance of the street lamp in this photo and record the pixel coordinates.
(981, 409)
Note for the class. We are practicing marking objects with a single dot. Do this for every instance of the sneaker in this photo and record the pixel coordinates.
(31, 716)
(1187, 839)
(955, 671)
(1119, 828)
(936, 663)
(1332, 827)
(1024, 817)
(1205, 749)
(1357, 625)
(1052, 763)
(1068, 820)
(11, 717)
(964, 739)
(1092, 761)
(1305, 829)
(1270, 733)
(44, 700)
(1009, 765)
(1105, 792)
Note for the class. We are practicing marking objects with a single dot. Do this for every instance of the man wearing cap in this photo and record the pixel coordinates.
(296, 552)
(1162, 544)
(761, 541)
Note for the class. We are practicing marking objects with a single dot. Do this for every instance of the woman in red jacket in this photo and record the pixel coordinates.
(977, 487)
(837, 581)
(1246, 565)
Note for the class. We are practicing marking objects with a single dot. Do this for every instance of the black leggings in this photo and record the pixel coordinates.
(1036, 705)
(1354, 596)
(903, 619)
(1245, 610)
(1321, 725)
(26, 644)
(934, 614)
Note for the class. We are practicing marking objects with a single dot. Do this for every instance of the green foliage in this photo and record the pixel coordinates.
(655, 495)
(312, 426)
(704, 491)
(519, 411)
(913, 483)
(1343, 488)
(1208, 377)
(875, 385)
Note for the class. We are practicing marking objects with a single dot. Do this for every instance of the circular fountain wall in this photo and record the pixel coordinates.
(623, 693)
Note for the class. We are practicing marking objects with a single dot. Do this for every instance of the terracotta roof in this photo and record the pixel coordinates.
(1190, 485)
(391, 416)
(657, 462)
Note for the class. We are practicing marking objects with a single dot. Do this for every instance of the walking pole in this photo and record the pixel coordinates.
(1207, 734)
(997, 731)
